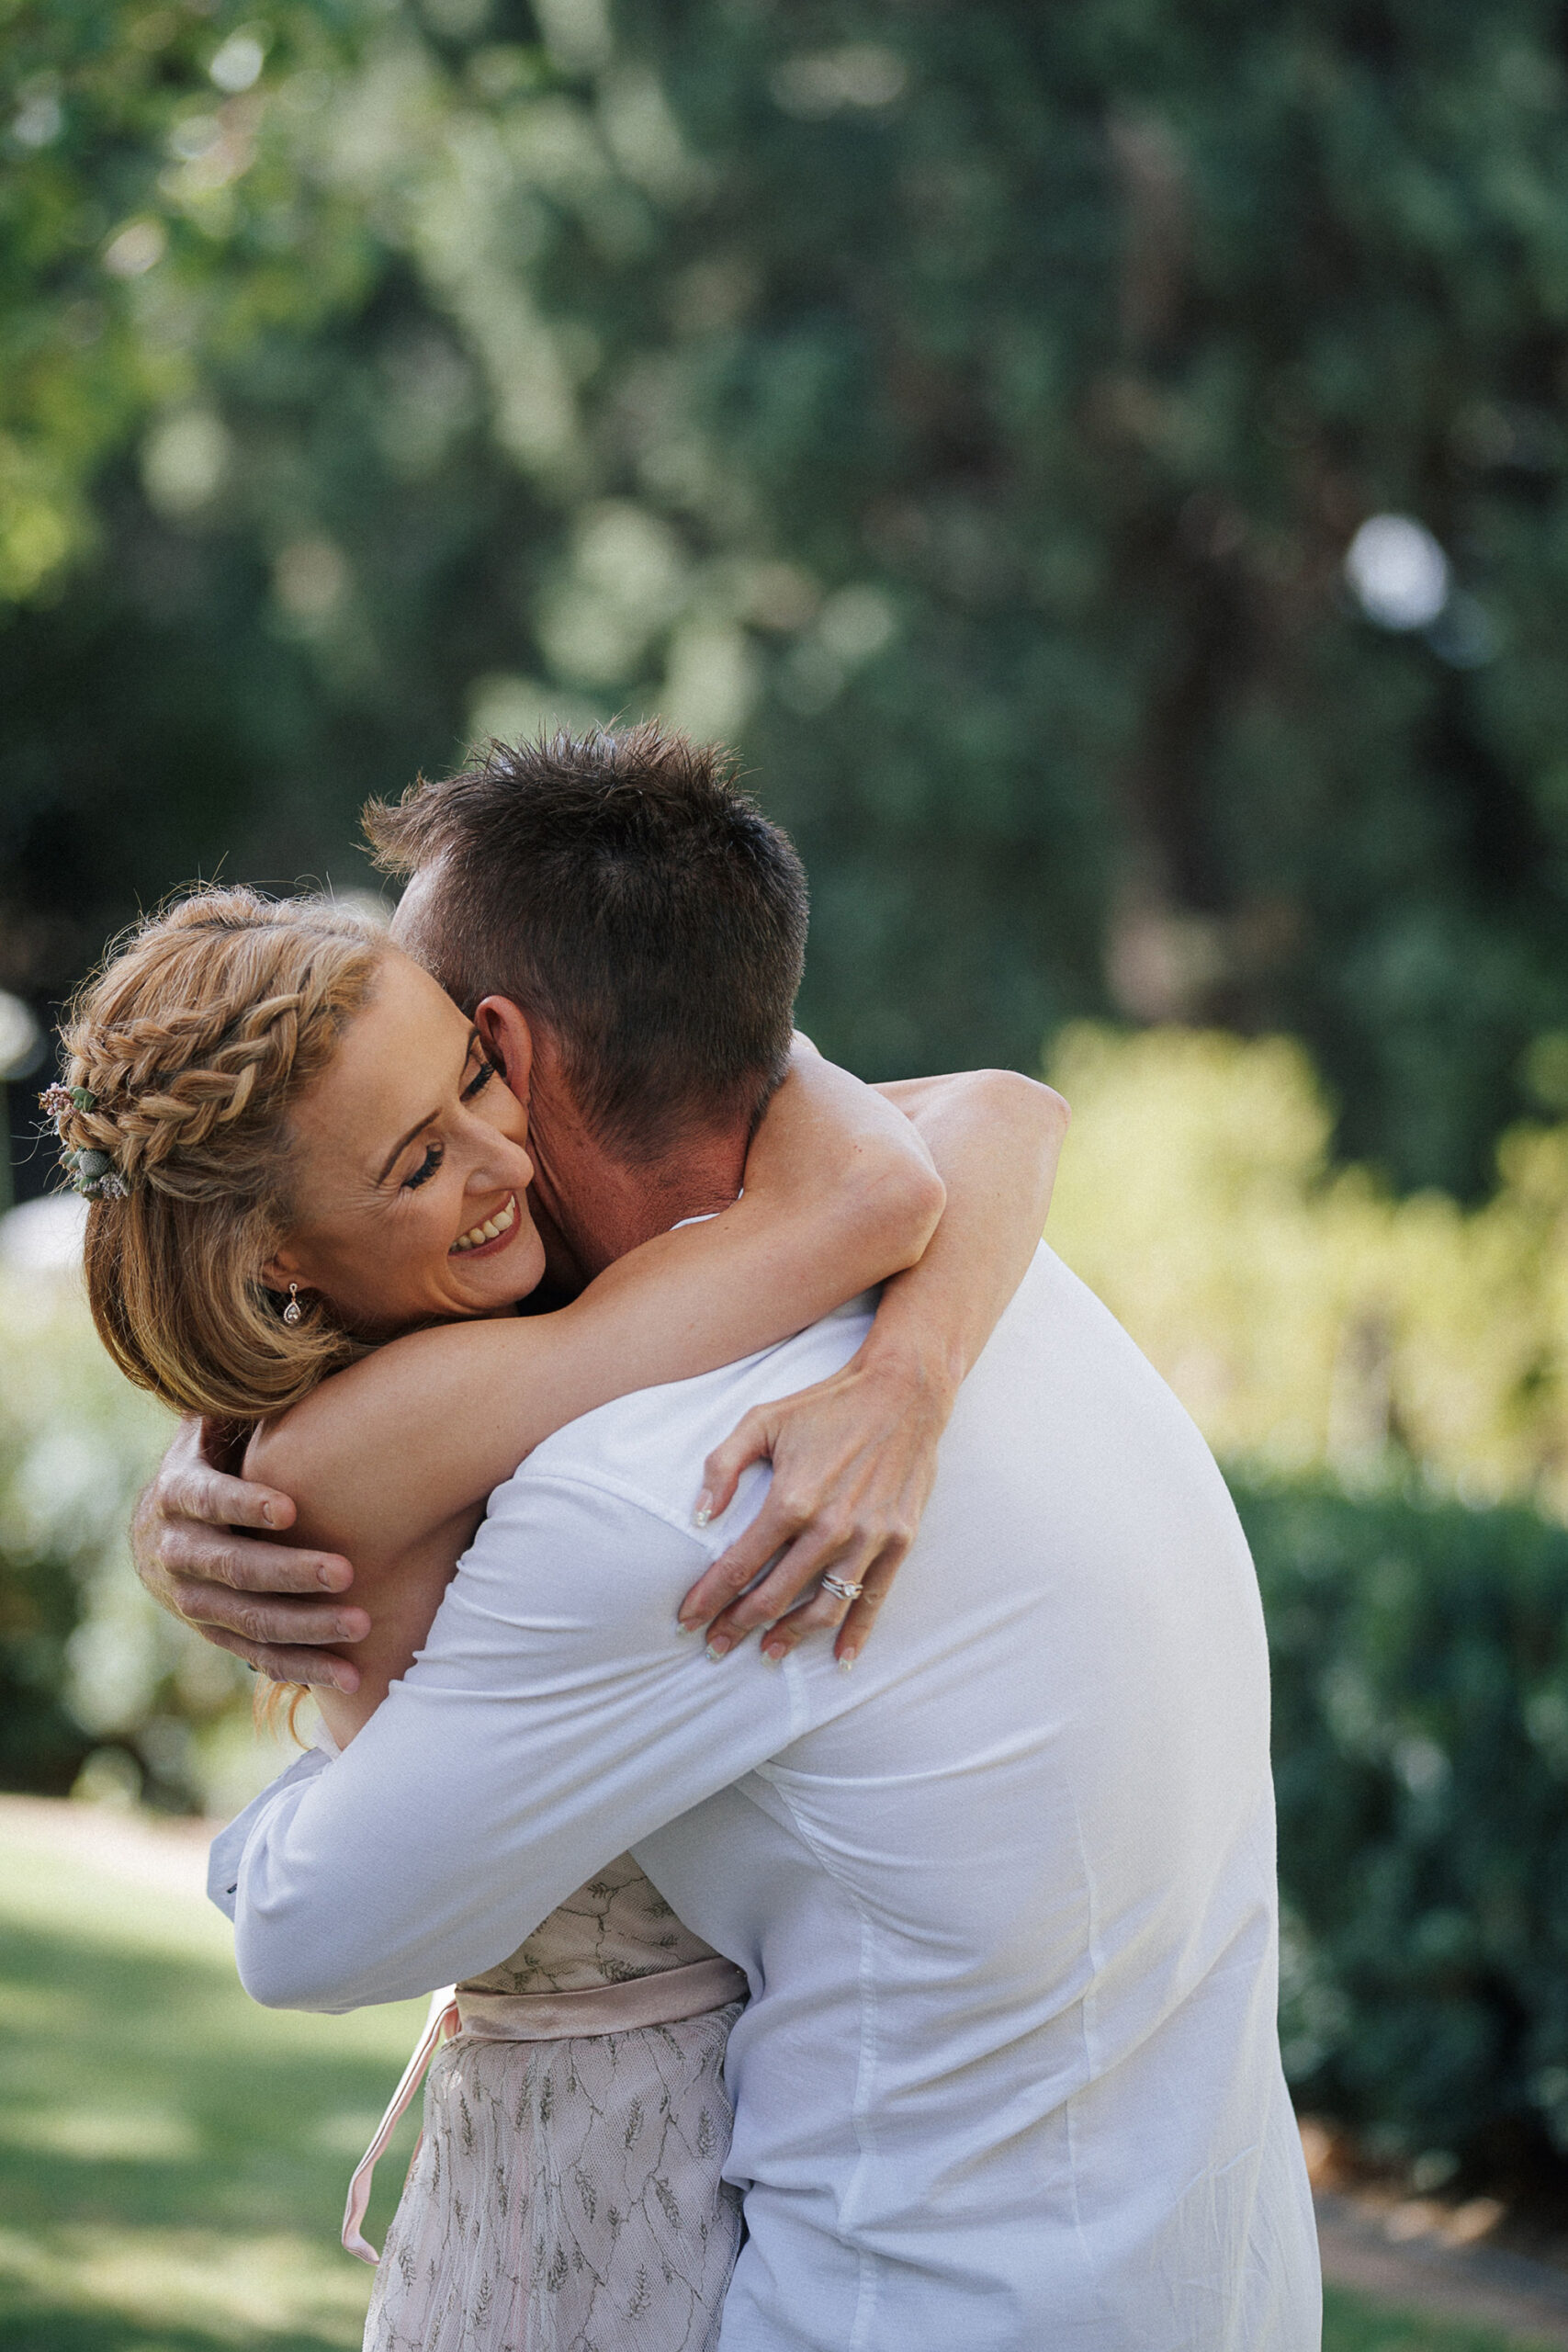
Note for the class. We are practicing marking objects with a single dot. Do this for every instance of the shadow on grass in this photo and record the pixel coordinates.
(172, 2159)
(1350, 2323)
(141, 2089)
(53, 2331)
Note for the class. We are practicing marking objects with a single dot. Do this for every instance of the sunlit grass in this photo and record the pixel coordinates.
(1352, 2324)
(173, 2160)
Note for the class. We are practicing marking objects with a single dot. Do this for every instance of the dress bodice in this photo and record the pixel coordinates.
(614, 1929)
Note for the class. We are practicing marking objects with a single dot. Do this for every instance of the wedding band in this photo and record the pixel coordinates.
(844, 1591)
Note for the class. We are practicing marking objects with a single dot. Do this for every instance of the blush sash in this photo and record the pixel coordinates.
(662, 1999)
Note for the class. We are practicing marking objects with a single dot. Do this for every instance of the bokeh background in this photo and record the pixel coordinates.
(1106, 467)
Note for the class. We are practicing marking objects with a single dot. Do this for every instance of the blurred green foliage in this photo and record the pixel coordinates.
(91, 1674)
(1374, 1371)
(1420, 1657)
(1309, 1319)
(967, 408)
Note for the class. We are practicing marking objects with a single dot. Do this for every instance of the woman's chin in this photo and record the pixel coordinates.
(516, 1273)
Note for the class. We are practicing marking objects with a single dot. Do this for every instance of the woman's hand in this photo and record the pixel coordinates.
(854, 1460)
(854, 1457)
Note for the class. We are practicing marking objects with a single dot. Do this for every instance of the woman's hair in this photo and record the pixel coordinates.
(186, 1053)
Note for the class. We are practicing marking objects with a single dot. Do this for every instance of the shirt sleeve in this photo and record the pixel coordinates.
(554, 1718)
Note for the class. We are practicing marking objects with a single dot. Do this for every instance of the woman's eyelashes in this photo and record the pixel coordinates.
(425, 1170)
(434, 1153)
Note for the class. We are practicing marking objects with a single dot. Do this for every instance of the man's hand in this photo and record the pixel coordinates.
(259, 1598)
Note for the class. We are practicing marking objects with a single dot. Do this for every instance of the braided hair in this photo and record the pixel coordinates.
(185, 1054)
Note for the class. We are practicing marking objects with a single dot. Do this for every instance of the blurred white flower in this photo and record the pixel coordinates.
(237, 64)
(1398, 572)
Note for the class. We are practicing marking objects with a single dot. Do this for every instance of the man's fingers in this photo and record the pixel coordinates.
(208, 1555)
(318, 1668)
(269, 1621)
(197, 1491)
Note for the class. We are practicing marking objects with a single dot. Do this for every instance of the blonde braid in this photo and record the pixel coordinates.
(186, 1053)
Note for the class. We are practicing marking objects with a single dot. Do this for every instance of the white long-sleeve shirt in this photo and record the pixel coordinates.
(1009, 2078)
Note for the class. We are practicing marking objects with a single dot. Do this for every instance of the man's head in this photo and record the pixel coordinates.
(637, 906)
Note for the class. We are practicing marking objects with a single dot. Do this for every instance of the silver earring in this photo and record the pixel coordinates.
(293, 1311)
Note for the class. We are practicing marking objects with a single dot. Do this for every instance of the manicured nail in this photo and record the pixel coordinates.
(776, 1656)
(847, 1661)
(681, 1627)
(704, 1511)
(720, 1646)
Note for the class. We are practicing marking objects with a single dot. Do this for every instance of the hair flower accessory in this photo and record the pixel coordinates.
(61, 1101)
(91, 1172)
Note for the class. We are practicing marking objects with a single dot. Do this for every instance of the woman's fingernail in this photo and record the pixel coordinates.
(847, 1661)
(720, 1646)
(681, 1627)
(776, 1656)
(704, 1511)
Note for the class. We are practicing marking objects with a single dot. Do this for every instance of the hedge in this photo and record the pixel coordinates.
(1420, 1662)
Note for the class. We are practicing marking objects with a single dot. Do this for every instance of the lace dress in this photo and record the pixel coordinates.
(567, 2195)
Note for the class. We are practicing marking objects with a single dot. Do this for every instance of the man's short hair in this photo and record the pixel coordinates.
(621, 889)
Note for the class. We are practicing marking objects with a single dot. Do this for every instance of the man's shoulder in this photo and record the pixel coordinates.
(650, 1446)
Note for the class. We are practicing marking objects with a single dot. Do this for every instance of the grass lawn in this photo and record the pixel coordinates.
(174, 2161)
(1352, 2324)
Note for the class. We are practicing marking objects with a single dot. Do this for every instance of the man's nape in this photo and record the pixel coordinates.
(599, 1203)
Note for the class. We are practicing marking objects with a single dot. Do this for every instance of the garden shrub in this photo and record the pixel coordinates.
(1420, 1662)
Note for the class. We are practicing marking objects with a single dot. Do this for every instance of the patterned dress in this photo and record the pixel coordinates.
(566, 2196)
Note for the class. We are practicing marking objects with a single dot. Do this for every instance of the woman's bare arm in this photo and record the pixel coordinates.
(840, 1193)
(855, 1457)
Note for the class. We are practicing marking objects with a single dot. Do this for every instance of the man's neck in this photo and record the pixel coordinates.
(600, 1205)
(613, 1207)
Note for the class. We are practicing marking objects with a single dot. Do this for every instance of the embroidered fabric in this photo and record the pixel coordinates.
(566, 2195)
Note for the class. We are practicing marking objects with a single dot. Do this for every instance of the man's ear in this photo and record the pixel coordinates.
(508, 1040)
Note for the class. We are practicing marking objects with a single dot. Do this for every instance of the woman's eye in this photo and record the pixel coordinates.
(480, 1078)
(424, 1171)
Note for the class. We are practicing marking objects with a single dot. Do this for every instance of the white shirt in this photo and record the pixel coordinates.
(1009, 2079)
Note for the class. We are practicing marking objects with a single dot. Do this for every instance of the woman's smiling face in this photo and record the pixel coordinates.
(409, 1169)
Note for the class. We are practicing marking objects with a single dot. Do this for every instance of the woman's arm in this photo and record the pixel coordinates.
(854, 1457)
(840, 1193)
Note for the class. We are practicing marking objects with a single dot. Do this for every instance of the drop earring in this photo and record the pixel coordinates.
(293, 1311)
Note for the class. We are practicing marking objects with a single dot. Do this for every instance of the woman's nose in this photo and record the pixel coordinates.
(491, 1173)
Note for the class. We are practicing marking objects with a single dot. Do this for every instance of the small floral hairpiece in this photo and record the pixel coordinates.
(61, 1101)
(91, 1174)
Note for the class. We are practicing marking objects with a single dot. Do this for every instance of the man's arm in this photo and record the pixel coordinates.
(553, 1719)
(262, 1600)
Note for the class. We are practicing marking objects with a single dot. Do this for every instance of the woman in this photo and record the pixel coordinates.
(305, 1177)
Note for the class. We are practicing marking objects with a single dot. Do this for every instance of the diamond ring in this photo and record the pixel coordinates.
(844, 1591)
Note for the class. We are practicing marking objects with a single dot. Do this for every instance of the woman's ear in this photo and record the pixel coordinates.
(508, 1040)
(281, 1270)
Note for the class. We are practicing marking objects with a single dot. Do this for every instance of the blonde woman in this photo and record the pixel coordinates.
(310, 1186)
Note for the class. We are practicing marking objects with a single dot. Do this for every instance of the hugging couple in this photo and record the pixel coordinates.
(925, 2008)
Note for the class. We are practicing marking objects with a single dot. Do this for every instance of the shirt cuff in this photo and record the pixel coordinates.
(228, 1848)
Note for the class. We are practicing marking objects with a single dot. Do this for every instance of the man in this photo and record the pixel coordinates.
(1009, 2078)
